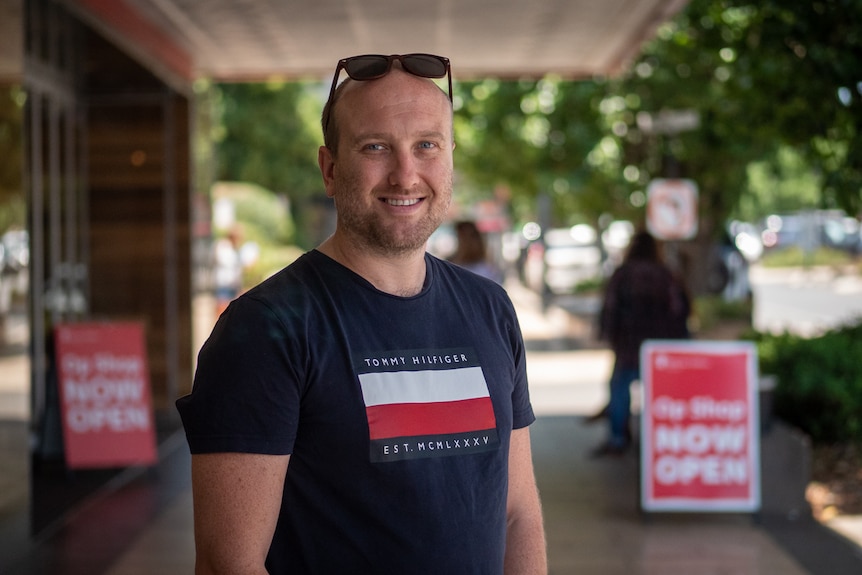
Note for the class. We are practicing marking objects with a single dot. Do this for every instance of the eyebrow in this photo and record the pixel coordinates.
(429, 134)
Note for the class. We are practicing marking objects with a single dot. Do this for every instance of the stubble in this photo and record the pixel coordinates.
(388, 235)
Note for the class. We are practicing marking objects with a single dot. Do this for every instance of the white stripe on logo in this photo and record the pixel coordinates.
(423, 386)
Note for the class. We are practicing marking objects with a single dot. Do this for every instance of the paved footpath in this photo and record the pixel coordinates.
(592, 513)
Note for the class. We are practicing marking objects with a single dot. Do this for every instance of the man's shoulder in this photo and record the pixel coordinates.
(299, 280)
(306, 266)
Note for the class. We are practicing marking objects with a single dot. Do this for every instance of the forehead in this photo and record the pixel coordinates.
(396, 95)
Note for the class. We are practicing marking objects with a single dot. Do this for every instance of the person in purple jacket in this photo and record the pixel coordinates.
(642, 300)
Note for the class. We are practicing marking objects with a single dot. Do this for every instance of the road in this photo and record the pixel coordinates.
(804, 301)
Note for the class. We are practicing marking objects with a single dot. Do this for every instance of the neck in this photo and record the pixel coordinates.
(397, 274)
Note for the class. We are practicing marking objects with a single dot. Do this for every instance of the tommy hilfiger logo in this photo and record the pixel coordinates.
(422, 403)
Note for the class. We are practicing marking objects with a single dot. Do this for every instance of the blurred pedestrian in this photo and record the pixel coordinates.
(228, 270)
(642, 300)
(472, 252)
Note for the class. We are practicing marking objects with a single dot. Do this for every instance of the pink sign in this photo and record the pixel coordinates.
(672, 209)
(699, 428)
(105, 395)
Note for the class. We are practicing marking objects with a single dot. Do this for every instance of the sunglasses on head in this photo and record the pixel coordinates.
(373, 66)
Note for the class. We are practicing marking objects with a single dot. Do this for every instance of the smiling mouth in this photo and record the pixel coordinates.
(405, 202)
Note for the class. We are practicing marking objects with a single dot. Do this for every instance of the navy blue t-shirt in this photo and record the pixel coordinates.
(397, 413)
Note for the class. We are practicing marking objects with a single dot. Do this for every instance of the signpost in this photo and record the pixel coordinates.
(105, 400)
(699, 428)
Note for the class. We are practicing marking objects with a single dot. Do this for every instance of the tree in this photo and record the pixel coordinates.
(767, 79)
(534, 137)
(13, 207)
(269, 135)
(777, 87)
(805, 59)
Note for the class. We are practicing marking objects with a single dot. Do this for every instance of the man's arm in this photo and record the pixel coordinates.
(237, 498)
(526, 553)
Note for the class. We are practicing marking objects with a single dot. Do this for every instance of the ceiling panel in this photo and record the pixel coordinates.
(256, 39)
(253, 39)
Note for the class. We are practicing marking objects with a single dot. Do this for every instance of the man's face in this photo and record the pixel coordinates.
(392, 179)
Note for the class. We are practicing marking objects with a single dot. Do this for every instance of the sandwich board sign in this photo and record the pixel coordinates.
(700, 431)
(105, 400)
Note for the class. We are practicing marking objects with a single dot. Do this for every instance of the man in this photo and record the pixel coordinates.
(365, 410)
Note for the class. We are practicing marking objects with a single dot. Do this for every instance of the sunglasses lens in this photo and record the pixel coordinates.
(367, 67)
(424, 65)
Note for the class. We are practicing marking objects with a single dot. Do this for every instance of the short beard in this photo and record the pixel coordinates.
(366, 229)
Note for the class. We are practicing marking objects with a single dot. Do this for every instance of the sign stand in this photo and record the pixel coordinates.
(700, 432)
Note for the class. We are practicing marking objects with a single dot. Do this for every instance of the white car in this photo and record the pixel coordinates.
(571, 256)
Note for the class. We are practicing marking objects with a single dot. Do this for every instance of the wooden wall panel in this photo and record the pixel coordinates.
(139, 244)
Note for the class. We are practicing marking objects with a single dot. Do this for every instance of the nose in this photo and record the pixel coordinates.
(403, 172)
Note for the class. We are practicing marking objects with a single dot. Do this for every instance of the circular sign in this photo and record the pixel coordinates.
(672, 209)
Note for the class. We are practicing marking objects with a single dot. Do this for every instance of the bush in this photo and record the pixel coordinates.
(272, 258)
(709, 311)
(819, 381)
(263, 219)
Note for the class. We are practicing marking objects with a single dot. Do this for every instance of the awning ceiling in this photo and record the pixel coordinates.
(255, 39)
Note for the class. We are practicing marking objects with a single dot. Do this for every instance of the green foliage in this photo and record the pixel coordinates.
(13, 207)
(808, 61)
(709, 310)
(11, 137)
(261, 215)
(262, 218)
(269, 135)
(590, 286)
(533, 137)
(776, 87)
(273, 257)
(764, 75)
(819, 381)
(781, 183)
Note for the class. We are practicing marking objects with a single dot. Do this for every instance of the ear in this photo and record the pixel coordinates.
(327, 168)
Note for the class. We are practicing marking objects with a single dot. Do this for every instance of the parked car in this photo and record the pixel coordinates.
(571, 256)
(812, 229)
(842, 233)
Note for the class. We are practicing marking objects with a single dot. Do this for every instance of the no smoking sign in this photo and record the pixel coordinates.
(672, 209)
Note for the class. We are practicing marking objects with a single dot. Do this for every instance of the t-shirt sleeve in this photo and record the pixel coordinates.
(522, 409)
(246, 391)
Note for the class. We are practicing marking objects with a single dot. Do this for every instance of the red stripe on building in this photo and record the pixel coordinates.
(133, 26)
(411, 419)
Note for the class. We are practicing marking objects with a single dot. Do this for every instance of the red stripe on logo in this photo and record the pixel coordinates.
(411, 419)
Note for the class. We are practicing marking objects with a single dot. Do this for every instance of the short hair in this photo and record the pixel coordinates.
(327, 120)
